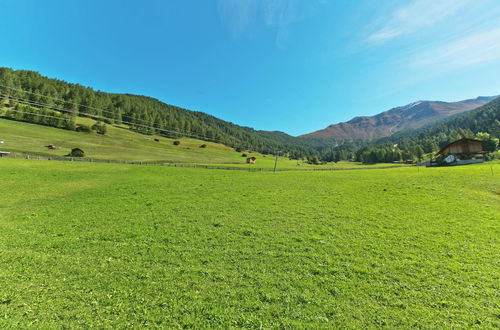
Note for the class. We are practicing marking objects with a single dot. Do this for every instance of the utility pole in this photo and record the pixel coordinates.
(275, 161)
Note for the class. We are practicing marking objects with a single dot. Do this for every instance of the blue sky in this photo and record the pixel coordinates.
(290, 65)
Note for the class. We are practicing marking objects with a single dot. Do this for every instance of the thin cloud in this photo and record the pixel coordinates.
(470, 50)
(416, 15)
(240, 15)
(237, 15)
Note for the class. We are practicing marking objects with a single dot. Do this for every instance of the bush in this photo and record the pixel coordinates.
(238, 149)
(313, 160)
(243, 155)
(203, 146)
(83, 128)
(495, 155)
(176, 142)
(100, 128)
(77, 152)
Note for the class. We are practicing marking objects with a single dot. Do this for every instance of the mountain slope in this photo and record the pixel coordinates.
(413, 144)
(414, 115)
(485, 118)
(140, 113)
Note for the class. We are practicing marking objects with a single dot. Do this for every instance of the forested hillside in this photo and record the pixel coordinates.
(56, 98)
(29, 96)
(412, 116)
(413, 144)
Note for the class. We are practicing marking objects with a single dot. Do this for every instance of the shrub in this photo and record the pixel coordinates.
(203, 146)
(83, 128)
(495, 155)
(100, 128)
(77, 152)
(243, 155)
(176, 142)
(238, 149)
(313, 160)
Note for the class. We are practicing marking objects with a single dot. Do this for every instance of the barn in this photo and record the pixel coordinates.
(463, 151)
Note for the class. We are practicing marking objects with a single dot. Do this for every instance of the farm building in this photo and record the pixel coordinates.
(463, 151)
(251, 160)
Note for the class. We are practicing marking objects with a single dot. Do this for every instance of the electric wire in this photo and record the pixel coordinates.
(74, 112)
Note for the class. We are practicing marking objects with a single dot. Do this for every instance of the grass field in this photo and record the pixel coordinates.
(118, 144)
(122, 144)
(121, 246)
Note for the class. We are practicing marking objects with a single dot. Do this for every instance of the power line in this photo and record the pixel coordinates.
(81, 105)
(27, 102)
(113, 119)
(40, 115)
(56, 99)
(76, 112)
(48, 116)
(68, 102)
(112, 113)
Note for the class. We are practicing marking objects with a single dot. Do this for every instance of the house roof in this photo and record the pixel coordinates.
(461, 140)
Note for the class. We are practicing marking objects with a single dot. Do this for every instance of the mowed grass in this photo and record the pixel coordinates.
(122, 144)
(118, 143)
(122, 246)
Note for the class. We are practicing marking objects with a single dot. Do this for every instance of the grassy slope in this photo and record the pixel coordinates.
(116, 144)
(101, 245)
(122, 144)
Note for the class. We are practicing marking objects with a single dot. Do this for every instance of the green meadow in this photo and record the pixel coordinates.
(118, 143)
(87, 245)
(123, 144)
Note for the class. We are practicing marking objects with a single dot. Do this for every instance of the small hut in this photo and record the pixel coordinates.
(463, 151)
(251, 160)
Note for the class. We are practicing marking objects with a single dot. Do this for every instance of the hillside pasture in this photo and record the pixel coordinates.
(120, 246)
(120, 143)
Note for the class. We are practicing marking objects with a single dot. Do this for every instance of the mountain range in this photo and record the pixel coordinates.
(412, 116)
(47, 97)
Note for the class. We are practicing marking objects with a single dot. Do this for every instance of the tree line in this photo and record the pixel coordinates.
(140, 113)
(482, 123)
(57, 103)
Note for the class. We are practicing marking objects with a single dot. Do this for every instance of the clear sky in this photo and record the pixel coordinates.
(290, 65)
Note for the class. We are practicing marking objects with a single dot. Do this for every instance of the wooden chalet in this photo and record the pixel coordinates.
(463, 151)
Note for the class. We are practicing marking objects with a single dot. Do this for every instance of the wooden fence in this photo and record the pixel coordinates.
(164, 163)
